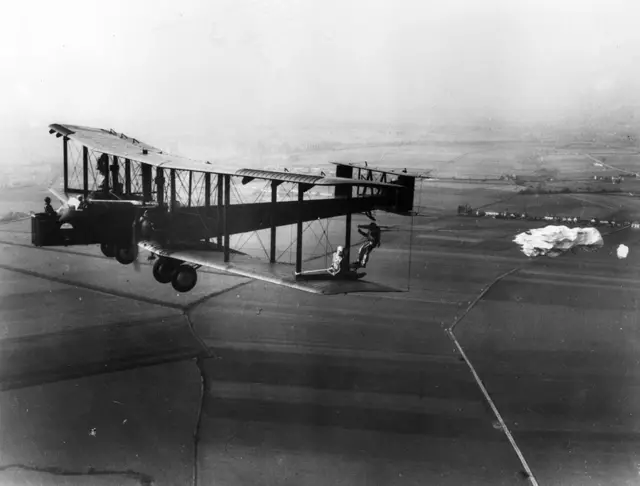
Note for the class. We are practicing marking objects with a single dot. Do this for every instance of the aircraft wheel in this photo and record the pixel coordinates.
(125, 255)
(184, 279)
(163, 270)
(108, 249)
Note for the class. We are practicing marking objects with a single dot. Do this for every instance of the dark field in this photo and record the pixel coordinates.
(100, 382)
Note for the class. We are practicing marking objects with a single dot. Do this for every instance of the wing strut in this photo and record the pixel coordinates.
(299, 230)
(219, 210)
(347, 235)
(115, 182)
(225, 219)
(146, 182)
(160, 186)
(85, 171)
(172, 189)
(127, 177)
(65, 155)
(207, 190)
(274, 208)
(207, 203)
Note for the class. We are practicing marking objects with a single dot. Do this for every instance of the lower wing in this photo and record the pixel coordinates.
(275, 273)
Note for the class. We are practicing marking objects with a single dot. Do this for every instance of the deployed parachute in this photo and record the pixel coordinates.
(553, 241)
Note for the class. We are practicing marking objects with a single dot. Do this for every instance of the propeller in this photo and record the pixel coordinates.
(67, 211)
(63, 199)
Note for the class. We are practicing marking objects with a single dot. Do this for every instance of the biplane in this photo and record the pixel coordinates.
(127, 196)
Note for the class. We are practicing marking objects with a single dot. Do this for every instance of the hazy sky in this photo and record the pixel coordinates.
(170, 65)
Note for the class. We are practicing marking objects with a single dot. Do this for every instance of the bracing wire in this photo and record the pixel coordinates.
(290, 247)
(240, 199)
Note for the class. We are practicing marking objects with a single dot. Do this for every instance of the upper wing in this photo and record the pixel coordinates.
(120, 145)
(275, 273)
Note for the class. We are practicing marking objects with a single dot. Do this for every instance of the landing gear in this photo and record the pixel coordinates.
(108, 249)
(125, 254)
(184, 278)
(163, 270)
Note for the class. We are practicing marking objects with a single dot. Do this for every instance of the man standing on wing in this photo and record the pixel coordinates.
(373, 241)
(336, 265)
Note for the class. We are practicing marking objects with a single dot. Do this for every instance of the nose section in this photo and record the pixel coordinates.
(66, 214)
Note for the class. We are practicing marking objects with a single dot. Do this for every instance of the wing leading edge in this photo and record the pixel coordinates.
(275, 273)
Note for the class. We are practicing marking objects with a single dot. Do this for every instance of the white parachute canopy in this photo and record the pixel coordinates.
(622, 251)
(555, 240)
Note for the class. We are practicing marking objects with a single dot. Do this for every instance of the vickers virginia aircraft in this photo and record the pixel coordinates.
(126, 195)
